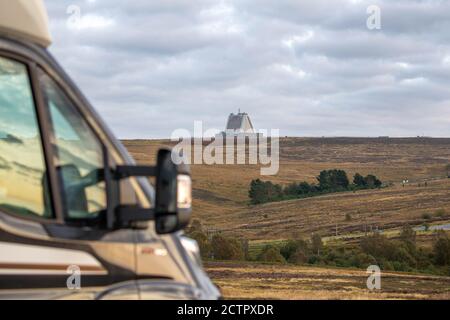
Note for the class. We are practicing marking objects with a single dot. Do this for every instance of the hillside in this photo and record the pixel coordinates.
(258, 281)
(221, 191)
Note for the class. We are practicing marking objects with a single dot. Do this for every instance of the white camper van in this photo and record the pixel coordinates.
(78, 219)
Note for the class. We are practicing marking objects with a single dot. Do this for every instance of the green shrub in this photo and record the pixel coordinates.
(378, 246)
(224, 248)
(315, 259)
(362, 260)
(372, 181)
(195, 231)
(399, 266)
(203, 243)
(271, 254)
(264, 191)
(332, 180)
(440, 213)
(290, 248)
(426, 216)
(408, 237)
(298, 189)
(300, 255)
(359, 181)
(386, 265)
(441, 249)
(316, 243)
(368, 182)
(329, 181)
(403, 255)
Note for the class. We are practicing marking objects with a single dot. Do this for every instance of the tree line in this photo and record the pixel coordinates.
(396, 254)
(328, 181)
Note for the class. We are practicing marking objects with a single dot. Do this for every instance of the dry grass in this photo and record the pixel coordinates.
(221, 201)
(256, 281)
(221, 191)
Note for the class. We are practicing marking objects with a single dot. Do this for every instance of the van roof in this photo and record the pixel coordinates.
(25, 19)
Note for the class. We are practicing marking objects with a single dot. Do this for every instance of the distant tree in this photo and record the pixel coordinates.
(291, 247)
(447, 168)
(291, 189)
(300, 256)
(377, 246)
(245, 248)
(348, 217)
(298, 189)
(288, 249)
(257, 192)
(274, 191)
(369, 181)
(441, 249)
(300, 253)
(408, 236)
(372, 181)
(316, 243)
(359, 181)
(224, 248)
(304, 188)
(264, 191)
(330, 180)
(203, 243)
(271, 254)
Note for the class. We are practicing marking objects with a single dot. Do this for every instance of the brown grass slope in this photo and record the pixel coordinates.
(258, 281)
(221, 191)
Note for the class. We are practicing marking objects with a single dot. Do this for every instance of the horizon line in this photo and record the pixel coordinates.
(313, 137)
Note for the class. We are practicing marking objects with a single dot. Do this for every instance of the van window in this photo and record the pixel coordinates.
(23, 182)
(79, 155)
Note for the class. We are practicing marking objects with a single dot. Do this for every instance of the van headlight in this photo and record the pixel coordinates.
(184, 191)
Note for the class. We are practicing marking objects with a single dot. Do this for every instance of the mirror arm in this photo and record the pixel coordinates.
(166, 214)
(123, 172)
(127, 214)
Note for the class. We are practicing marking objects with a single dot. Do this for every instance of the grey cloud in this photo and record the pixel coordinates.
(307, 67)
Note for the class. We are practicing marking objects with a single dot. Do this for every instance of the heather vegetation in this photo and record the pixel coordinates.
(399, 254)
(328, 181)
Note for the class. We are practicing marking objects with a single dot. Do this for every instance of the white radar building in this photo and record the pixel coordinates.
(239, 125)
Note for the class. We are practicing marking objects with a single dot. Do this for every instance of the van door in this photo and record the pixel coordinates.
(52, 196)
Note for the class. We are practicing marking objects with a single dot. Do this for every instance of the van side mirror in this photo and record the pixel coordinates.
(173, 195)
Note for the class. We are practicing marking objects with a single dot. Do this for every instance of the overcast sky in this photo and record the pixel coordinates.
(309, 68)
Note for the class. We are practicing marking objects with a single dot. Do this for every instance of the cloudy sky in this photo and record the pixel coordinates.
(309, 68)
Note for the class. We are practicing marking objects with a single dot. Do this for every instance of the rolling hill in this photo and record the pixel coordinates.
(221, 191)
